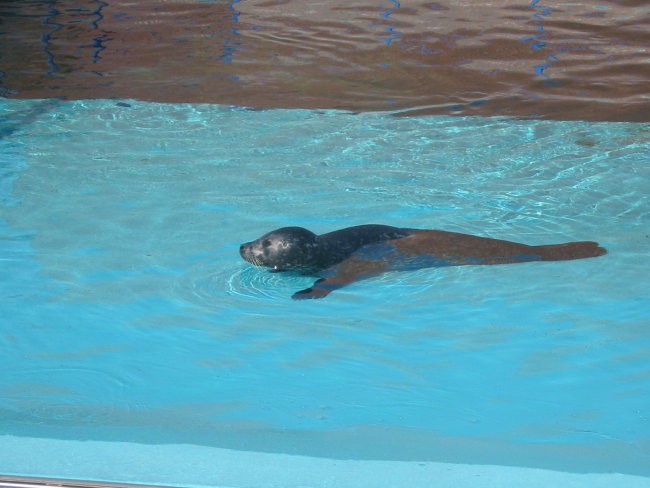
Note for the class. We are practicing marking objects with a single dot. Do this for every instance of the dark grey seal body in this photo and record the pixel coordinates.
(355, 253)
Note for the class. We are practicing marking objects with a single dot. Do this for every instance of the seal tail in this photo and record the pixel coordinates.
(569, 250)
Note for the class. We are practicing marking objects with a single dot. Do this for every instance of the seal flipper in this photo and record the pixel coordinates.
(569, 250)
(320, 289)
(355, 268)
(315, 291)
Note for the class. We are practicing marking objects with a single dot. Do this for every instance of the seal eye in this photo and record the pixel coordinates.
(266, 243)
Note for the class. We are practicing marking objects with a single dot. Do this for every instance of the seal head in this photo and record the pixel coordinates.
(285, 249)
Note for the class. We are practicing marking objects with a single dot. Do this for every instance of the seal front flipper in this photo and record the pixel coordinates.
(355, 268)
(317, 290)
(320, 289)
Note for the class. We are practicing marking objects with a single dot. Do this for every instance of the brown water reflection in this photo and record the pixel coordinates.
(563, 60)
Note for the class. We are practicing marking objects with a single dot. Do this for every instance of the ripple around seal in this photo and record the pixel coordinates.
(256, 283)
(202, 284)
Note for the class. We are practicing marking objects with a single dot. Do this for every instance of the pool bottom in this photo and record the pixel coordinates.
(198, 466)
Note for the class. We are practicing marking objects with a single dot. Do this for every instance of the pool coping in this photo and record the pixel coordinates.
(38, 482)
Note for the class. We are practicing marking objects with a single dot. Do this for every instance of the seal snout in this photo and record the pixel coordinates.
(246, 252)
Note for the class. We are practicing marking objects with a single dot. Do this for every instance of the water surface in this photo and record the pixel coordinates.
(128, 314)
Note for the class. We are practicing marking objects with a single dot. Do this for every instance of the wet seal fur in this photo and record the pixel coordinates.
(356, 253)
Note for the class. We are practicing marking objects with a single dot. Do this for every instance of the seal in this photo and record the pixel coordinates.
(355, 253)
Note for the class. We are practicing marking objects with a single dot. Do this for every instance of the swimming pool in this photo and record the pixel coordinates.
(138, 346)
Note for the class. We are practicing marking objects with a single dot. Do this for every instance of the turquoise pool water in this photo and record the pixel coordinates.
(128, 315)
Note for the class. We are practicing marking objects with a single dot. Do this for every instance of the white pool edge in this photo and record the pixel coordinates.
(34, 482)
(120, 464)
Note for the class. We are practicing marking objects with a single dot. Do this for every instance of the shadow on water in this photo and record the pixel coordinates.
(540, 60)
(22, 118)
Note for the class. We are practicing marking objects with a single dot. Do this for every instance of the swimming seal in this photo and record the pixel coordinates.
(355, 253)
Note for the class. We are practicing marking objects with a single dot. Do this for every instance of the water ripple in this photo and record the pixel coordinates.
(255, 283)
(53, 395)
(203, 282)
